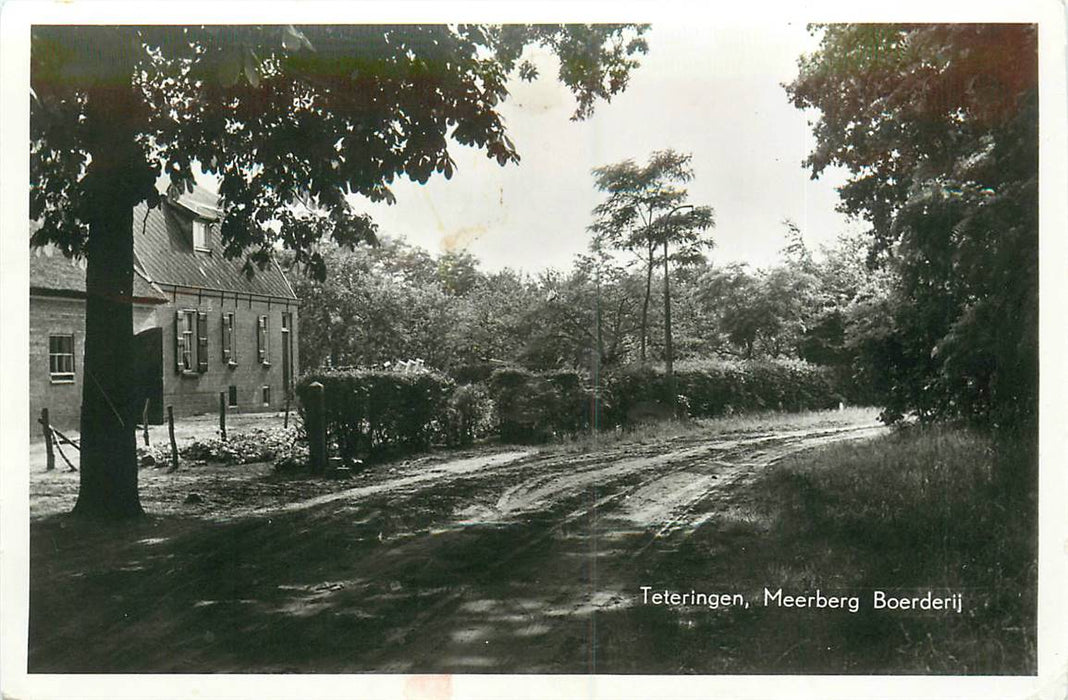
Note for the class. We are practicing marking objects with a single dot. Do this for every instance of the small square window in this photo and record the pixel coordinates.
(61, 358)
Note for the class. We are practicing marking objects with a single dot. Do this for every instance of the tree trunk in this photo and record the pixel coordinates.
(669, 360)
(114, 184)
(645, 302)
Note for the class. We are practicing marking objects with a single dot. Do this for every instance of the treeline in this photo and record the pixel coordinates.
(527, 357)
(395, 302)
(937, 126)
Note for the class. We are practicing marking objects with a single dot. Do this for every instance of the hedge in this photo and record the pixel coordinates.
(713, 388)
(533, 406)
(468, 415)
(370, 413)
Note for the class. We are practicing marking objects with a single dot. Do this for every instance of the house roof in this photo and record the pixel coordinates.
(53, 272)
(200, 201)
(164, 255)
(163, 246)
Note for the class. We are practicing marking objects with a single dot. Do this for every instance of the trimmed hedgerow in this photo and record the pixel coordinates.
(713, 388)
(469, 414)
(370, 413)
(533, 406)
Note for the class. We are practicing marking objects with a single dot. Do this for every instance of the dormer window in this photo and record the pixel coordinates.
(200, 235)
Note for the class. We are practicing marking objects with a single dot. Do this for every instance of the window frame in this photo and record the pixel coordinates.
(204, 244)
(263, 339)
(229, 338)
(191, 342)
(62, 377)
(185, 333)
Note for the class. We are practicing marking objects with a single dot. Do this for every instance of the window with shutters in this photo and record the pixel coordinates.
(263, 346)
(185, 336)
(202, 341)
(229, 347)
(191, 341)
(61, 358)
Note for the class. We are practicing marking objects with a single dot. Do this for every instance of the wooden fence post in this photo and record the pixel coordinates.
(222, 414)
(315, 417)
(144, 423)
(174, 445)
(47, 430)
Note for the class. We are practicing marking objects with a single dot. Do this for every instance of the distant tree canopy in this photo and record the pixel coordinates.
(938, 126)
(395, 301)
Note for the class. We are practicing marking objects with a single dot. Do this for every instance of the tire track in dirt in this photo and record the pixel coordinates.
(738, 465)
(682, 512)
(694, 474)
(439, 474)
(677, 512)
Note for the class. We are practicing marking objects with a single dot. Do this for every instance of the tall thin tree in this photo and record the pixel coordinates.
(641, 214)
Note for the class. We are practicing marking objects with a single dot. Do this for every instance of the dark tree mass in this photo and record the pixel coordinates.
(938, 126)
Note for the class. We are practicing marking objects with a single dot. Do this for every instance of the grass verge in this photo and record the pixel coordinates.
(914, 511)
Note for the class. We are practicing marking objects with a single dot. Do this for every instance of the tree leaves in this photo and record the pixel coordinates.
(639, 199)
(331, 110)
(938, 126)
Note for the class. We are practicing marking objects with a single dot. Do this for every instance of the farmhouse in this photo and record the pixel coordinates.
(202, 325)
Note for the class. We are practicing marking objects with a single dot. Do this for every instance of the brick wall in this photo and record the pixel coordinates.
(198, 392)
(190, 394)
(55, 316)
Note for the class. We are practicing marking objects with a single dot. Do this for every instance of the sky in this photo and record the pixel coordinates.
(712, 91)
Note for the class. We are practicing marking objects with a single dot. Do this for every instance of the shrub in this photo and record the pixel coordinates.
(470, 414)
(532, 407)
(244, 448)
(370, 413)
(706, 389)
(573, 400)
(472, 373)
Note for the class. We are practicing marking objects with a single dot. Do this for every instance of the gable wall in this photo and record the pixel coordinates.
(49, 316)
(61, 316)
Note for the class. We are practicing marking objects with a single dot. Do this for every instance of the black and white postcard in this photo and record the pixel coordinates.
(435, 351)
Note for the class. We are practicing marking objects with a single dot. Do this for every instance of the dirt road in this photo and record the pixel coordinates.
(513, 561)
